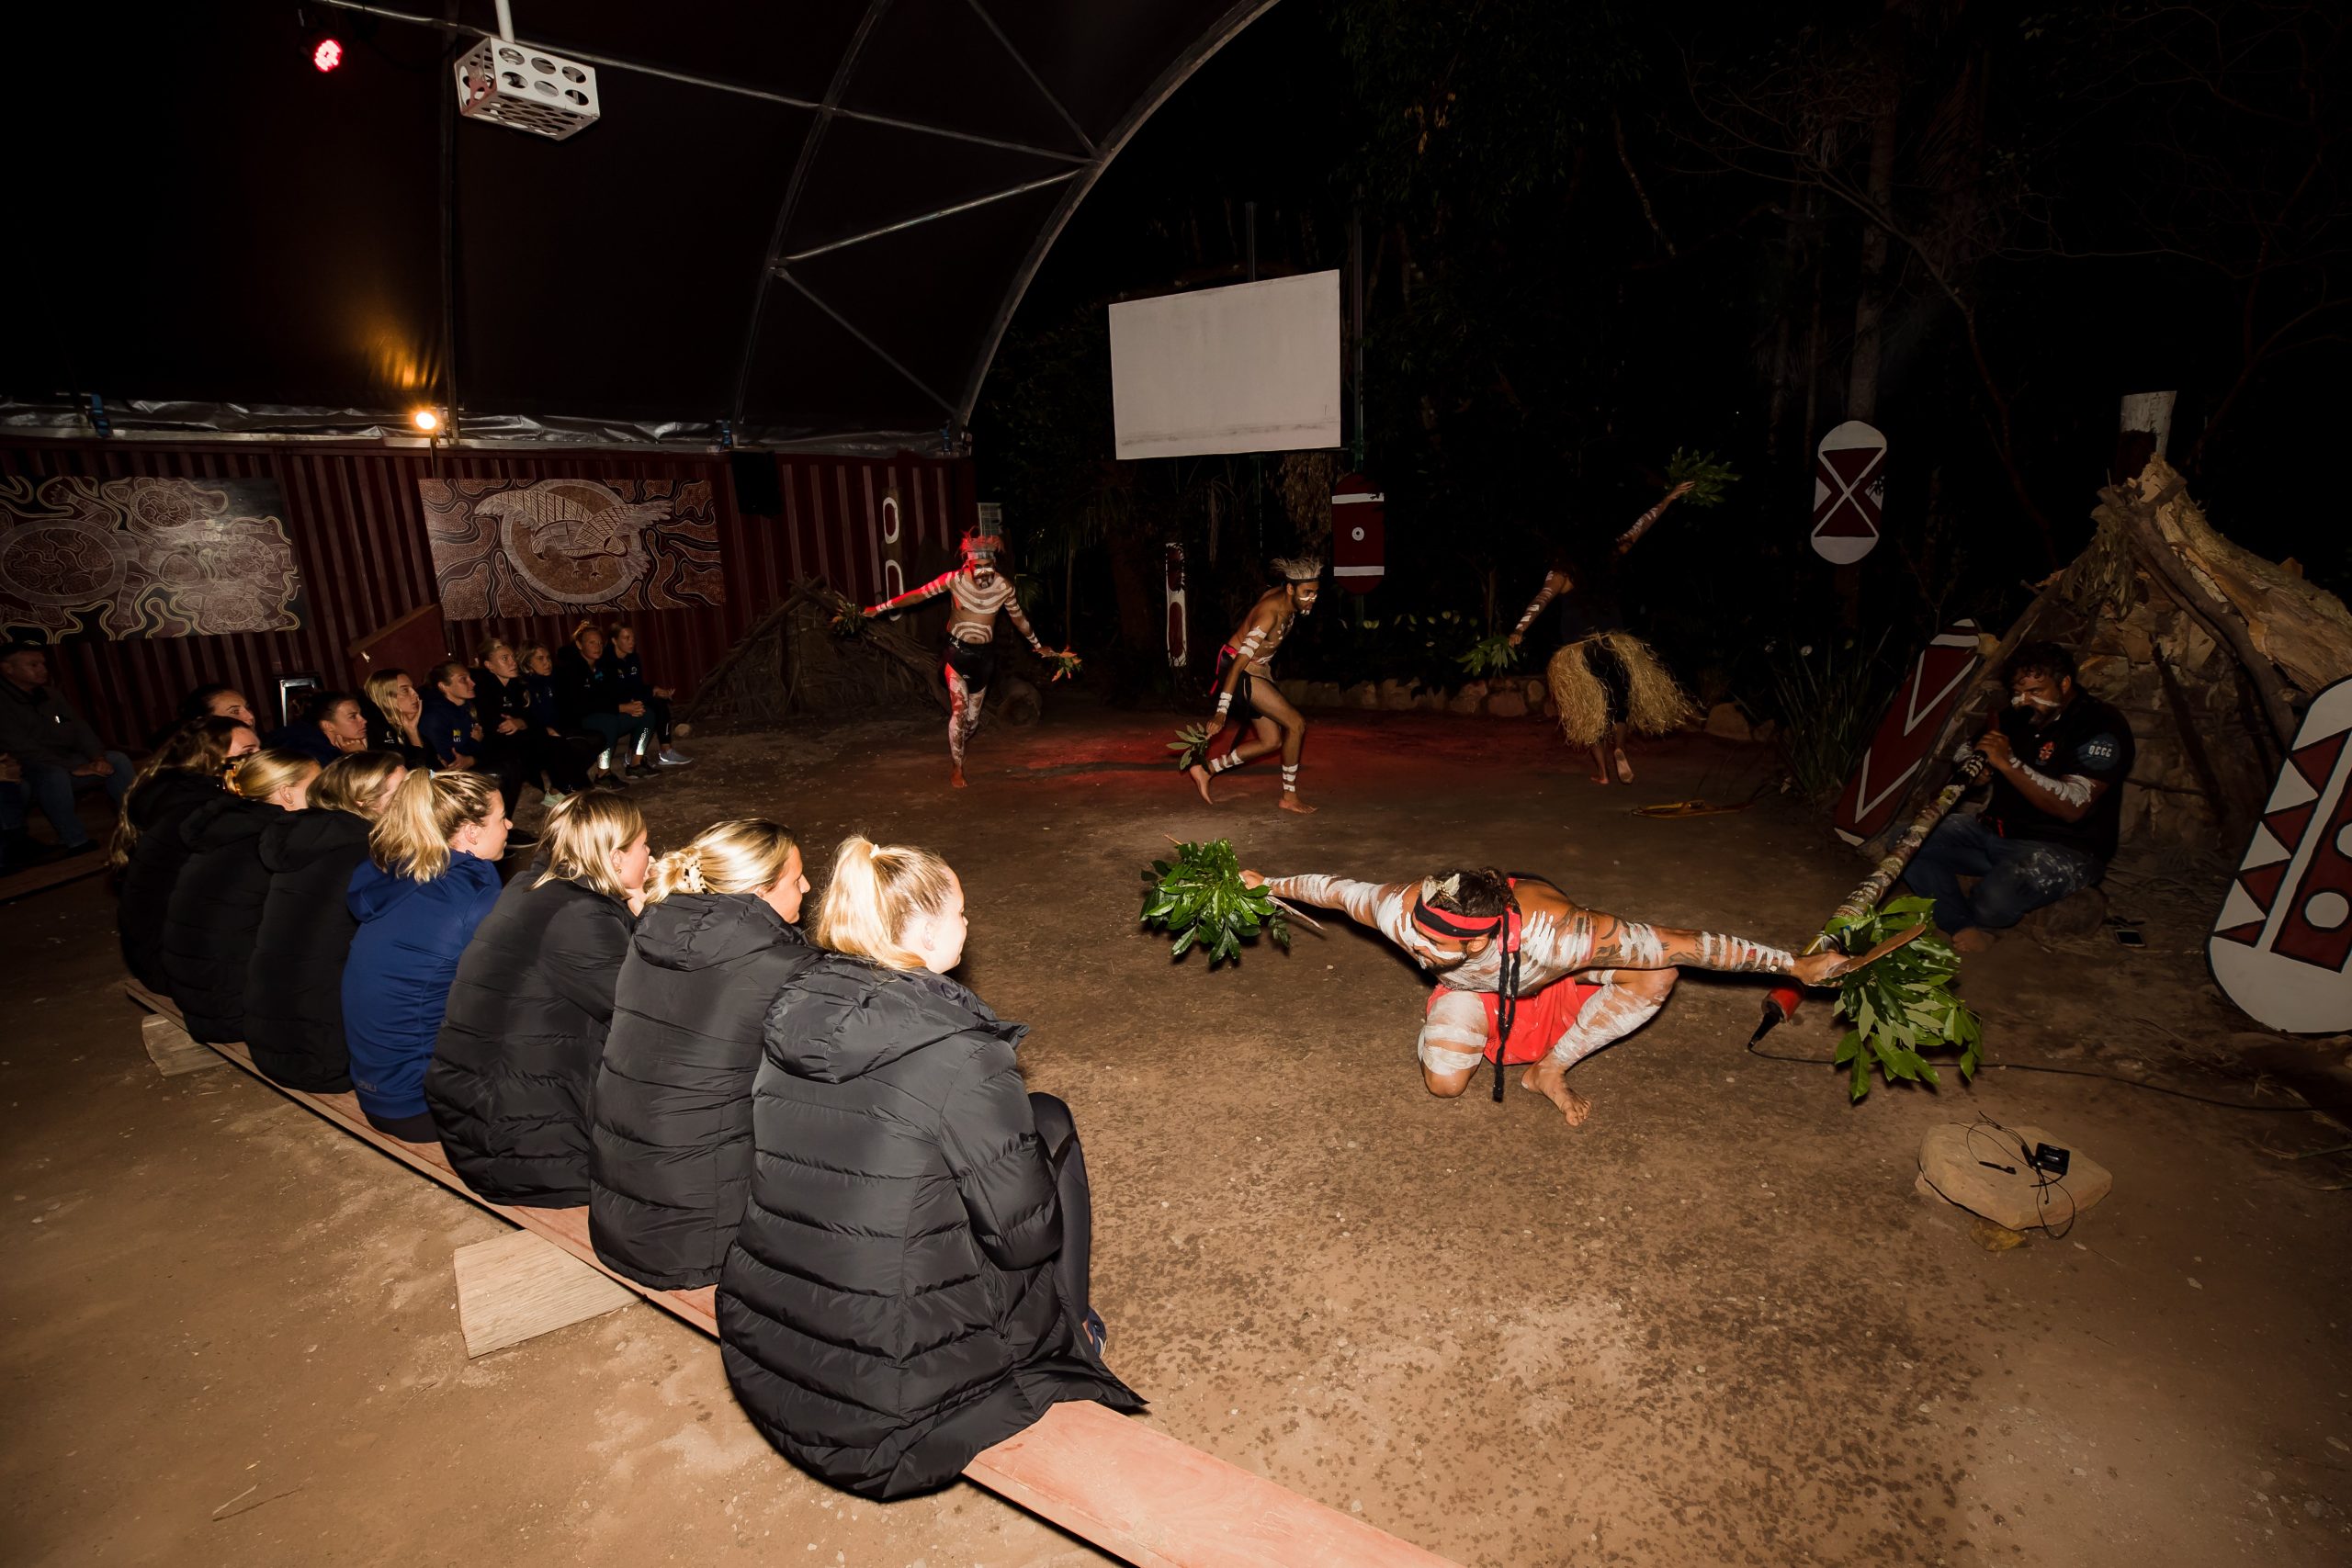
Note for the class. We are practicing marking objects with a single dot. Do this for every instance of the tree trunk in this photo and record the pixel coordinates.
(1131, 582)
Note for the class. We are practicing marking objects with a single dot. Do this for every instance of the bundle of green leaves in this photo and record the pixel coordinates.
(1064, 665)
(1200, 897)
(1191, 746)
(1489, 655)
(1708, 476)
(1903, 1004)
(849, 616)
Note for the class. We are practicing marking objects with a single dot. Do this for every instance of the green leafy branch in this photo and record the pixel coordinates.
(1708, 476)
(1903, 1004)
(1191, 746)
(1489, 655)
(1199, 896)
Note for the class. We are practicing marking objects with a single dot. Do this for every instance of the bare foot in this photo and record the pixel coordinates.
(1552, 1083)
(956, 776)
(1625, 768)
(1600, 776)
(1973, 938)
(1290, 802)
(1201, 777)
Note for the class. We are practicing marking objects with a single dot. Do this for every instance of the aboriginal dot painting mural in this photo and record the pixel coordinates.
(141, 558)
(510, 547)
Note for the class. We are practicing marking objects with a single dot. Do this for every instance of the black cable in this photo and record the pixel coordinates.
(2044, 1181)
(2062, 1072)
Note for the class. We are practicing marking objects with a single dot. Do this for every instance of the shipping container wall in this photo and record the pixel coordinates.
(357, 528)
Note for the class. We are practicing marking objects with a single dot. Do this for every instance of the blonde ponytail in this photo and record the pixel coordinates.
(745, 855)
(264, 774)
(585, 835)
(875, 894)
(412, 837)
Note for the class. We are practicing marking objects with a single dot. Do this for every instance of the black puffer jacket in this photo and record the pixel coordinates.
(294, 989)
(672, 1136)
(158, 808)
(216, 914)
(516, 1057)
(889, 1309)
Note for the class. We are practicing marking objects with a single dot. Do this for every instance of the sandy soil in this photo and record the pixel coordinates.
(1715, 1325)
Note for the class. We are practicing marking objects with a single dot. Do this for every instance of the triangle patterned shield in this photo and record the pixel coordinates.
(2281, 945)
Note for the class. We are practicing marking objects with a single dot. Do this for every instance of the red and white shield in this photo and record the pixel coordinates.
(1849, 492)
(1173, 565)
(2285, 931)
(1359, 534)
(1900, 745)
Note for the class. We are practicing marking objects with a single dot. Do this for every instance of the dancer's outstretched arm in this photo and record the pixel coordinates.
(1021, 624)
(931, 590)
(1555, 584)
(1586, 939)
(1631, 536)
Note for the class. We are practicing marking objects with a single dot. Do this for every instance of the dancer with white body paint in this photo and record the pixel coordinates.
(1527, 977)
(1246, 694)
(979, 593)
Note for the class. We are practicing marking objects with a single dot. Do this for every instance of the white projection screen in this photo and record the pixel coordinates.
(1254, 367)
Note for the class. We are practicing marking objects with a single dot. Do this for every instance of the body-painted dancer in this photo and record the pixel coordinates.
(1605, 681)
(1246, 694)
(1528, 977)
(979, 593)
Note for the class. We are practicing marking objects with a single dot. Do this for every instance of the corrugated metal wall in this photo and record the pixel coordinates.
(358, 535)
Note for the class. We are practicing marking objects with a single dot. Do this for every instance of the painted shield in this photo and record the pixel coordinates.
(1359, 534)
(2285, 930)
(1849, 492)
(892, 540)
(1938, 678)
(1179, 649)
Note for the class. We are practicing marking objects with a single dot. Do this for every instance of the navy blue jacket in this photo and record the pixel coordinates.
(307, 739)
(542, 711)
(449, 729)
(628, 674)
(396, 982)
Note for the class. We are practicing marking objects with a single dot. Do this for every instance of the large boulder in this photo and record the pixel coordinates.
(1507, 704)
(1469, 699)
(1726, 722)
(1017, 702)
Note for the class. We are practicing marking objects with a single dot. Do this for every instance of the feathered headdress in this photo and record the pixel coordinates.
(1304, 569)
(979, 544)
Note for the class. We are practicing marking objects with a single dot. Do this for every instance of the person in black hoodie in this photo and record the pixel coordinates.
(395, 708)
(588, 699)
(628, 667)
(511, 727)
(671, 1138)
(329, 726)
(516, 1058)
(908, 1282)
(216, 905)
(294, 985)
(148, 854)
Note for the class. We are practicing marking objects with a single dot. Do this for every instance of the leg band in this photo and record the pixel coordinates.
(1231, 760)
(1438, 1059)
(1290, 778)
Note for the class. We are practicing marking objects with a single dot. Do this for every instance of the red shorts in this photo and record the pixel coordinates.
(1543, 1017)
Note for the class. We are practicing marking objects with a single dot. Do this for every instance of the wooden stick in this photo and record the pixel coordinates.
(1291, 910)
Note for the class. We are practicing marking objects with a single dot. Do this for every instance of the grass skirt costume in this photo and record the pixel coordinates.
(1609, 678)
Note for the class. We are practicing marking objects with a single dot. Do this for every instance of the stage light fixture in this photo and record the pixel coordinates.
(527, 88)
(426, 420)
(326, 54)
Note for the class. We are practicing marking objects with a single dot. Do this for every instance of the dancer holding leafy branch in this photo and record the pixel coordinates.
(1606, 682)
(1246, 694)
(979, 593)
(1527, 977)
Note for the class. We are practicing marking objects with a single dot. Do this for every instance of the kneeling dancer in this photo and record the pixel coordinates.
(1527, 977)
(1246, 694)
(978, 591)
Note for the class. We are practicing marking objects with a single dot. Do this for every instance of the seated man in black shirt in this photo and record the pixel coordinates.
(2059, 757)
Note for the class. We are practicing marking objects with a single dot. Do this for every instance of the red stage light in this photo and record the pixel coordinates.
(327, 55)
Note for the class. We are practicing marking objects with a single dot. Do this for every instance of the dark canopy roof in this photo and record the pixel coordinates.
(809, 218)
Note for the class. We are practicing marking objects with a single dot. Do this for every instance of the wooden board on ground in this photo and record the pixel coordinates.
(520, 1286)
(1108, 1479)
(49, 873)
(172, 1049)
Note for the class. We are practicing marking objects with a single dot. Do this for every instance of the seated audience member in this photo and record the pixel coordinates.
(628, 676)
(56, 749)
(188, 770)
(391, 725)
(294, 985)
(672, 1136)
(509, 709)
(2059, 757)
(589, 703)
(430, 877)
(327, 726)
(218, 701)
(909, 1284)
(216, 904)
(538, 674)
(517, 1054)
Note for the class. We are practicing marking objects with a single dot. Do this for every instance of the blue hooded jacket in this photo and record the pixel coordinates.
(396, 982)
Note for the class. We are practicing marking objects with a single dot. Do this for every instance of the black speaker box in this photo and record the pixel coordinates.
(758, 489)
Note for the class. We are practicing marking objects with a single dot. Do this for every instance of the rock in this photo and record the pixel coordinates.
(2078, 914)
(1506, 705)
(2023, 1200)
(1536, 692)
(1396, 696)
(1467, 700)
(1362, 694)
(1019, 704)
(1322, 694)
(1765, 731)
(1726, 722)
(1293, 692)
(1430, 701)
(1551, 708)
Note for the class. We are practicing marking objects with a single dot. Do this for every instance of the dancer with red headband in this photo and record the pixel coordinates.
(1246, 694)
(979, 593)
(1528, 978)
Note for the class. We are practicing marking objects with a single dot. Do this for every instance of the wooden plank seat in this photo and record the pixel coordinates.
(1111, 1479)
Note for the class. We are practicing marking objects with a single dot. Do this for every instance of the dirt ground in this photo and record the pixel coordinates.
(1713, 1326)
